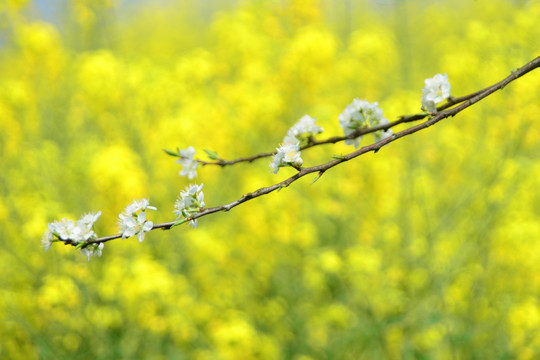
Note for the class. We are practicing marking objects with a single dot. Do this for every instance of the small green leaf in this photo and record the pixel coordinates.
(179, 222)
(339, 157)
(172, 153)
(211, 154)
(317, 177)
(279, 188)
(80, 245)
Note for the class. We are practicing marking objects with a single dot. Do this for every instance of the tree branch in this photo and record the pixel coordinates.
(464, 102)
(335, 139)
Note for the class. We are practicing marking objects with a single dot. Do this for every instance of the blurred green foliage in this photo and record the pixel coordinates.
(429, 249)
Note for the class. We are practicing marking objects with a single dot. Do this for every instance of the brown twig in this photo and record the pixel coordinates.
(313, 142)
(335, 139)
(222, 162)
(464, 102)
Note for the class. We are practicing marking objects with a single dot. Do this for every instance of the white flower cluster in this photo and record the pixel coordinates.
(305, 127)
(361, 114)
(436, 90)
(288, 153)
(76, 233)
(133, 220)
(189, 202)
(93, 250)
(189, 165)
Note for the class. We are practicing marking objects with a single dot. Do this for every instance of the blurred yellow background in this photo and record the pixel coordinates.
(429, 249)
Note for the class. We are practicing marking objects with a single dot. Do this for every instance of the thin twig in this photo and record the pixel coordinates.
(464, 102)
(335, 139)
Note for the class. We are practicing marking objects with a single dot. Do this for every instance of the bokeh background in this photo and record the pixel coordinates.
(429, 249)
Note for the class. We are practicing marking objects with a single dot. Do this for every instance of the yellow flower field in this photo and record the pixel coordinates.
(428, 249)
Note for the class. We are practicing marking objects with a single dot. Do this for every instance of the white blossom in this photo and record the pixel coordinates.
(131, 209)
(133, 220)
(380, 134)
(89, 219)
(189, 202)
(65, 229)
(189, 165)
(93, 250)
(47, 240)
(86, 223)
(138, 205)
(358, 115)
(135, 207)
(435, 90)
(287, 154)
(305, 127)
(276, 162)
(74, 232)
(145, 204)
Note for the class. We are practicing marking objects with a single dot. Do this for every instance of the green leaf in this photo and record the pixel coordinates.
(179, 222)
(317, 177)
(172, 153)
(339, 157)
(211, 154)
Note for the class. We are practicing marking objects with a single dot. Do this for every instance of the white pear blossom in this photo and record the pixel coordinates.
(86, 223)
(138, 205)
(380, 134)
(145, 204)
(73, 232)
(189, 165)
(47, 240)
(189, 202)
(133, 220)
(305, 127)
(358, 115)
(89, 219)
(93, 250)
(436, 90)
(287, 154)
(67, 230)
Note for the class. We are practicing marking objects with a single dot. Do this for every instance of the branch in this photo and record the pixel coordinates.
(335, 139)
(464, 102)
(332, 140)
